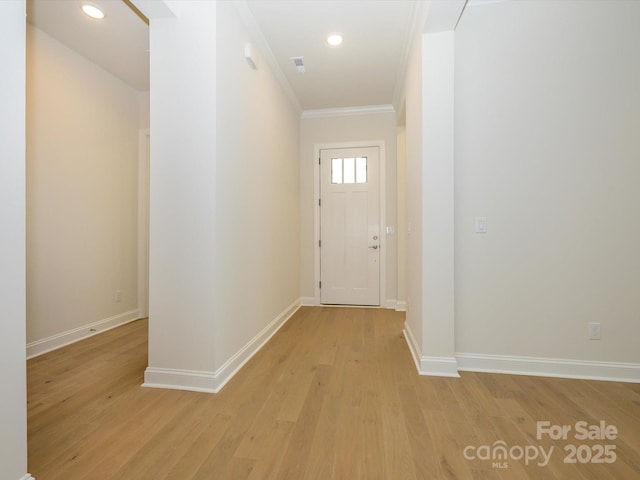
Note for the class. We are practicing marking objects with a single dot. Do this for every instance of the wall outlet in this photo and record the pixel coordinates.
(118, 296)
(594, 331)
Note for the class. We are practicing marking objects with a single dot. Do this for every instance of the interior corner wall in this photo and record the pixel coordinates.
(82, 161)
(346, 129)
(547, 118)
(13, 414)
(257, 192)
(401, 229)
(413, 196)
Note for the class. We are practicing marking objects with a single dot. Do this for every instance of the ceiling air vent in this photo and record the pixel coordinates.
(299, 63)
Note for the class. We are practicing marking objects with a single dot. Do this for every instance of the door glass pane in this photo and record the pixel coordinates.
(361, 170)
(349, 170)
(336, 170)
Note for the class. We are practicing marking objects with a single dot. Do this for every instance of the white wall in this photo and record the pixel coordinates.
(437, 198)
(82, 155)
(430, 191)
(13, 415)
(224, 233)
(401, 230)
(182, 240)
(547, 121)
(413, 194)
(257, 192)
(346, 129)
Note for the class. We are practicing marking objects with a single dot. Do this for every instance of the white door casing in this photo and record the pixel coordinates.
(350, 234)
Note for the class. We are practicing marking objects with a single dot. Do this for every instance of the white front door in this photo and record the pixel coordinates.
(349, 227)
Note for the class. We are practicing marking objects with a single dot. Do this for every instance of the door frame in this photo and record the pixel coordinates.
(382, 209)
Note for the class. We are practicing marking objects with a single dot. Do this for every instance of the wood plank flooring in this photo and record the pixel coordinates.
(333, 396)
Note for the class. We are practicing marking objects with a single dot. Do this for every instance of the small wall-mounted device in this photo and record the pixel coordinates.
(250, 56)
(299, 64)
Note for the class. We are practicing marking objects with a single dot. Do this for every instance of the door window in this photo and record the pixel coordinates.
(348, 170)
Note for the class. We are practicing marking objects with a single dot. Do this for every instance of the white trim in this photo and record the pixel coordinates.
(382, 172)
(175, 379)
(429, 365)
(28, 477)
(480, 3)
(143, 222)
(401, 306)
(414, 348)
(414, 25)
(212, 382)
(347, 111)
(63, 339)
(549, 367)
(439, 366)
(331, 305)
(308, 301)
(542, 367)
(390, 304)
(237, 361)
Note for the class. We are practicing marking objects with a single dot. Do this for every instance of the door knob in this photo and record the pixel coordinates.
(375, 247)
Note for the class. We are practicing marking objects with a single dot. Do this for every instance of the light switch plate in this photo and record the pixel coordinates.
(481, 224)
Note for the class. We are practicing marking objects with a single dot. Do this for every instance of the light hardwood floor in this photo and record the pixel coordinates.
(333, 395)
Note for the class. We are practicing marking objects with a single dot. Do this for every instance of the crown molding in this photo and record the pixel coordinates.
(347, 111)
(260, 42)
(477, 3)
(414, 25)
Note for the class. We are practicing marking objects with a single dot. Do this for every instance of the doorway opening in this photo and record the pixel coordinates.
(350, 237)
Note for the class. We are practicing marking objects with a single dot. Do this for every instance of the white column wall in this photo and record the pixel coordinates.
(182, 256)
(430, 325)
(437, 204)
(224, 249)
(13, 415)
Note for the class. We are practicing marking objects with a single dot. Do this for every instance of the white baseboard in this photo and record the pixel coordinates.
(212, 382)
(544, 367)
(60, 340)
(414, 348)
(175, 379)
(430, 365)
(401, 306)
(439, 366)
(235, 363)
(549, 367)
(27, 477)
(308, 301)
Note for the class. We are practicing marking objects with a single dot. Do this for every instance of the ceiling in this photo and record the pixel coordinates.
(119, 43)
(363, 71)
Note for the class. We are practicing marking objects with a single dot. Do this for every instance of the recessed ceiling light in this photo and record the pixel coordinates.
(92, 11)
(334, 39)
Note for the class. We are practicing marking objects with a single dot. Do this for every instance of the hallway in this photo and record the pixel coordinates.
(333, 395)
